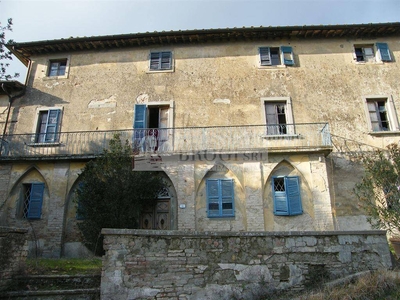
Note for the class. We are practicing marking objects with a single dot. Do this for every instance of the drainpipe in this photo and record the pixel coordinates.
(10, 100)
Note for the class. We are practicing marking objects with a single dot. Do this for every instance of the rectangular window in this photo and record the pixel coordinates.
(276, 118)
(275, 56)
(286, 195)
(57, 67)
(381, 114)
(48, 126)
(152, 124)
(367, 53)
(220, 198)
(160, 61)
(32, 201)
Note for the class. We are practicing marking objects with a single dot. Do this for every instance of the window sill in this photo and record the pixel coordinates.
(221, 217)
(55, 77)
(279, 136)
(368, 63)
(160, 71)
(276, 67)
(384, 133)
(55, 144)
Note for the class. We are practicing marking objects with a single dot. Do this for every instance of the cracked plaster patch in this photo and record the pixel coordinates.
(108, 102)
(222, 101)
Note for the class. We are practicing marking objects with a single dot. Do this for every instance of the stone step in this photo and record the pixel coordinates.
(76, 294)
(52, 282)
(59, 287)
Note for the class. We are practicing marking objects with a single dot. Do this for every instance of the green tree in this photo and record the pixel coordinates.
(111, 195)
(5, 54)
(379, 190)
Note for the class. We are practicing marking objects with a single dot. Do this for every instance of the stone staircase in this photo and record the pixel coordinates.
(55, 287)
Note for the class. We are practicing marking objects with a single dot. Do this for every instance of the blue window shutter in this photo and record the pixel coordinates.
(287, 51)
(227, 198)
(35, 201)
(213, 204)
(220, 198)
(166, 60)
(53, 119)
(140, 123)
(155, 60)
(293, 195)
(265, 56)
(383, 49)
(140, 116)
(280, 201)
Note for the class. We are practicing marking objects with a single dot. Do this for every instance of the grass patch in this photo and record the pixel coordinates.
(63, 266)
(374, 286)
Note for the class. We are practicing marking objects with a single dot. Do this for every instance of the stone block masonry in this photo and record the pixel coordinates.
(141, 264)
(13, 253)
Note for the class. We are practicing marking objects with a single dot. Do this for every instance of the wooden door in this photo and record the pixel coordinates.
(156, 215)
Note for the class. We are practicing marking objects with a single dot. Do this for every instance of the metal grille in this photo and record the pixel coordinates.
(27, 197)
(279, 185)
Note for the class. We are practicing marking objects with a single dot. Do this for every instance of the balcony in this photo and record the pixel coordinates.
(223, 139)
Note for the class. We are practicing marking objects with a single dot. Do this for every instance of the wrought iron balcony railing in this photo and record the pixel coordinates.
(288, 137)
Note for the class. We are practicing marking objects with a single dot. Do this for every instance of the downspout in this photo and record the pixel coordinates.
(10, 100)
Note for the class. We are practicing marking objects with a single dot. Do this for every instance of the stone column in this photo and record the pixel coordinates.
(320, 192)
(56, 209)
(253, 193)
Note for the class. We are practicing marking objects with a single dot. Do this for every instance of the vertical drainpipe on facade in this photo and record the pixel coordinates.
(10, 100)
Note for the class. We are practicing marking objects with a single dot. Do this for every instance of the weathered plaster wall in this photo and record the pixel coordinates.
(211, 85)
(142, 264)
(45, 235)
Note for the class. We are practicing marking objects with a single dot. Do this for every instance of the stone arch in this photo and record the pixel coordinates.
(301, 222)
(72, 243)
(30, 175)
(236, 223)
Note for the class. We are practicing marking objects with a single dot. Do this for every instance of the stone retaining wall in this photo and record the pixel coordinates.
(13, 253)
(141, 264)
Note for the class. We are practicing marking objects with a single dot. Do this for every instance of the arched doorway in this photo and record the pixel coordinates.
(156, 214)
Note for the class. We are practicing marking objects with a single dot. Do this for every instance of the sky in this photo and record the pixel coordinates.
(36, 20)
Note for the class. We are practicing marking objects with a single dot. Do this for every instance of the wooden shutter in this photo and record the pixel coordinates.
(213, 205)
(155, 60)
(140, 116)
(280, 201)
(287, 55)
(35, 201)
(271, 115)
(293, 195)
(384, 51)
(265, 56)
(374, 116)
(227, 198)
(166, 60)
(53, 119)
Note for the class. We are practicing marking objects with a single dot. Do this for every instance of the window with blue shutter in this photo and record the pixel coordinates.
(384, 51)
(33, 200)
(287, 55)
(275, 56)
(48, 126)
(57, 67)
(286, 194)
(140, 122)
(161, 60)
(220, 198)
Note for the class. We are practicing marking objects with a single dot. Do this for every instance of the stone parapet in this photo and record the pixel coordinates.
(141, 264)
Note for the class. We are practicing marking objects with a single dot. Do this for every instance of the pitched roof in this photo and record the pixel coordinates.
(23, 51)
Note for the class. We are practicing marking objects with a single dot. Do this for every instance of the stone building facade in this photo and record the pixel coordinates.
(254, 129)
